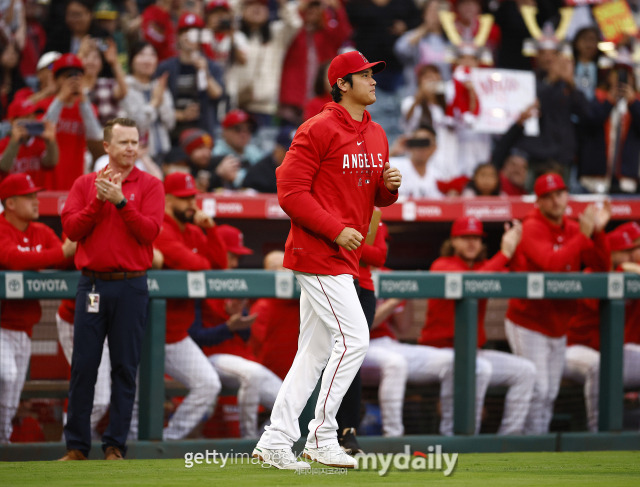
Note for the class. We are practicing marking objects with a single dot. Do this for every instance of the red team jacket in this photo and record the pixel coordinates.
(36, 248)
(439, 326)
(331, 178)
(546, 247)
(189, 250)
(119, 240)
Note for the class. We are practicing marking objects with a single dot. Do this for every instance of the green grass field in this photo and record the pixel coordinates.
(617, 469)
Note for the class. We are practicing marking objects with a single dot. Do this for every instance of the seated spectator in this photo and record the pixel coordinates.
(197, 144)
(223, 332)
(12, 80)
(159, 29)
(149, 101)
(26, 245)
(513, 175)
(45, 85)
(484, 182)
(322, 91)
(464, 252)
(262, 175)
(31, 148)
(106, 17)
(274, 334)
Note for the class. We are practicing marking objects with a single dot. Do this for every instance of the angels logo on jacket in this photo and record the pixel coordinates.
(361, 163)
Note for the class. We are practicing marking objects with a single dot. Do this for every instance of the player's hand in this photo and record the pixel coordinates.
(511, 238)
(201, 219)
(158, 90)
(238, 322)
(69, 248)
(602, 216)
(588, 220)
(349, 238)
(392, 177)
(110, 190)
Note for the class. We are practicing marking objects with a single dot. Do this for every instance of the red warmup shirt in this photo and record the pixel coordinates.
(36, 248)
(214, 314)
(546, 247)
(632, 321)
(188, 250)
(274, 334)
(28, 160)
(110, 239)
(330, 179)
(373, 255)
(439, 326)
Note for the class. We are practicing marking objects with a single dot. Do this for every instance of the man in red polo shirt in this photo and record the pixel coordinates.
(114, 215)
(26, 245)
(537, 329)
(185, 246)
(464, 253)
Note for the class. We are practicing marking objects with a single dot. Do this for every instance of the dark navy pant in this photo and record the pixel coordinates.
(122, 318)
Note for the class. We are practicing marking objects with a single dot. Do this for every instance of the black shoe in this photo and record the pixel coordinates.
(349, 442)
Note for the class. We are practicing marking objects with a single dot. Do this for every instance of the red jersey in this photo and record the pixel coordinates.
(274, 334)
(188, 250)
(110, 239)
(546, 247)
(584, 325)
(36, 248)
(331, 178)
(214, 314)
(28, 160)
(439, 326)
(373, 255)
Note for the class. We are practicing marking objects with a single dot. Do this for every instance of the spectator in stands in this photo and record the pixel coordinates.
(420, 177)
(464, 252)
(424, 45)
(45, 85)
(184, 246)
(159, 29)
(238, 128)
(427, 105)
(10, 76)
(484, 182)
(223, 333)
(468, 22)
(551, 242)
(586, 55)
(262, 175)
(322, 91)
(197, 144)
(107, 18)
(274, 333)
(513, 32)
(66, 37)
(255, 85)
(26, 245)
(31, 148)
(176, 160)
(325, 28)
(75, 119)
(229, 45)
(194, 81)
(103, 81)
(513, 175)
(582, 356)
(35, 39)
(12, 18)
(149, 101)
(609, 136)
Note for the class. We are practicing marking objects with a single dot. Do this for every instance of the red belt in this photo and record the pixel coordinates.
(113, 276)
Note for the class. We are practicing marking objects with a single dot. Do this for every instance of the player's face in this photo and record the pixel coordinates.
(184, 209)
(123, 147)
(25, 207)
(363, 91)
(467, 247)
(554, 204)
(620, 257)
(232, 260)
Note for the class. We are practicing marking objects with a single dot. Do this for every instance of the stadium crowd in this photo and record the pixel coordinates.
(217, 90)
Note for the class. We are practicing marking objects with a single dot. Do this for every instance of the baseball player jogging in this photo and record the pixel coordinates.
(336, 170)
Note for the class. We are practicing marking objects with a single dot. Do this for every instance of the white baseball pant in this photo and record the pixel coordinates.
(15, 352)
(518, 374)
(583, 366)
(402, 363)
(547, 355)
(334, 336)
(255, 383)
(102, 394)
(185, 362)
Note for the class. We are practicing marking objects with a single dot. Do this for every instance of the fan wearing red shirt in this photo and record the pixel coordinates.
(582, 358)
(223, 332)
(26, 245)
(464, 253)
(537, 329)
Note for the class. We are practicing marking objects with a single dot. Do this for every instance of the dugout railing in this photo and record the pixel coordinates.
(465, 288)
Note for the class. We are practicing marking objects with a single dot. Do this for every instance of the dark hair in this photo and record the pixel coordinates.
(336, 94)
(88, 4)
(472, 184)
(123, 122)
(321, 75)
(135, 50)
(578, 35)
(264, 31)
(427, 117)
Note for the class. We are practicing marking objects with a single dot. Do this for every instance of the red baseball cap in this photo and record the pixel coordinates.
(21, 107)
(632, 228)
(351, 62)
(233, 240)
(180, 184)
(67, 61)
(547, 183)
(235, 117)
(467, 225)
(190, 20)
(17, 185)
(620, 240)
(213, 4)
